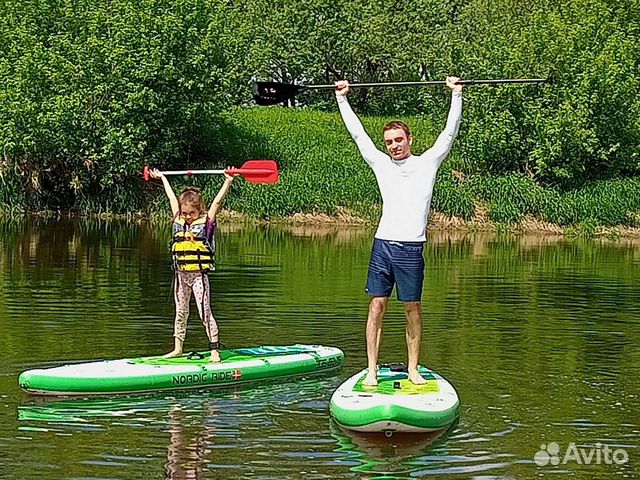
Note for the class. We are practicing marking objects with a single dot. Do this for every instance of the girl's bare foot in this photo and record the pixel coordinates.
(215, 356)
(173, 353)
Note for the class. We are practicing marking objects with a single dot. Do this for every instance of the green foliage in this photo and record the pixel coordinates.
(607, 203)
(584, 229)
(508, 197)
(584, 128)
(591, 127)
(450, 197)
(12, 195)
(92, 91)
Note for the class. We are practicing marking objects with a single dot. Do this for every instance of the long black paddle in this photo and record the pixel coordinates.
(270, 93)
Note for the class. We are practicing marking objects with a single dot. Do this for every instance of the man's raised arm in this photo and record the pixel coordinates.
(354, 126)
(444, 142)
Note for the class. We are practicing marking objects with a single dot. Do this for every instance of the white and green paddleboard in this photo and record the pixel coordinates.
(395, 404)
(146, 374)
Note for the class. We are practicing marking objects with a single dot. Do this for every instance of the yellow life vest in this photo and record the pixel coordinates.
(191, 250)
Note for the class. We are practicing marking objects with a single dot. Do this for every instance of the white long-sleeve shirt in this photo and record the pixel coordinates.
(406, 186)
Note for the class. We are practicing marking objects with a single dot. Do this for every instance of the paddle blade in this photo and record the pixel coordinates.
(270, 93)
(257, 171)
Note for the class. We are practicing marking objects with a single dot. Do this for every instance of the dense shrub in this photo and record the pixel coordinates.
(91, 91)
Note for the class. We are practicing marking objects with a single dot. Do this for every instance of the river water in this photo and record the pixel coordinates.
(539, 335)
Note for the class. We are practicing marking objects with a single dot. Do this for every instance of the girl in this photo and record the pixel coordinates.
(192, 252)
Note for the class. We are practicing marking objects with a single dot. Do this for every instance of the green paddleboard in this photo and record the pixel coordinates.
(147, 374)
(395, 404)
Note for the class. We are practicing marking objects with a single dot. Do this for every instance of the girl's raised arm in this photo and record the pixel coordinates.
(173, 200)
(216, 205)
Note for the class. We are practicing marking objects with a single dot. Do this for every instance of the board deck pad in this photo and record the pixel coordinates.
(231, 355)
(397, 385)
(193, 370)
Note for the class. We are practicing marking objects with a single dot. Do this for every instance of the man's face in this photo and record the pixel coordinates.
(398, 144)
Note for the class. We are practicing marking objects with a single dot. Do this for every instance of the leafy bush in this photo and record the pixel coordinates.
(92, 91)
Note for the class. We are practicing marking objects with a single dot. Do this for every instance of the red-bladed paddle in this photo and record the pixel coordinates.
(253, 171)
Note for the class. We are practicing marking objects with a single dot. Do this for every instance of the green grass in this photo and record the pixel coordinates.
(321, 171)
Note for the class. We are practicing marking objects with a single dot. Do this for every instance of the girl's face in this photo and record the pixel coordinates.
(189, 212)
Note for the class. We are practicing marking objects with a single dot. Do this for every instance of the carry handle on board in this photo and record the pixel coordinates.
(395, 367)
(253, 171)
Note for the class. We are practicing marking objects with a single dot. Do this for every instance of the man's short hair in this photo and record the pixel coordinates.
(397, 125)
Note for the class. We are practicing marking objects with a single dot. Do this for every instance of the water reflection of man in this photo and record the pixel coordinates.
(406, 185)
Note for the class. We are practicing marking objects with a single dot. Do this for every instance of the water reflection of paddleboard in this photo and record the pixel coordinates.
(395, 404)
(136, 375)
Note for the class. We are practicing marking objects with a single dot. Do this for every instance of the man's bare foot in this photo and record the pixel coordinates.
(173, 353)
(215, 356)
(371, 380)
(416, 378)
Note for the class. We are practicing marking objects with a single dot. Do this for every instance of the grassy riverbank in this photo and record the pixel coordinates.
(313, 224)
(323, 179)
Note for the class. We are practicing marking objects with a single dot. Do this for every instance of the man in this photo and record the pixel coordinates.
(406, 185)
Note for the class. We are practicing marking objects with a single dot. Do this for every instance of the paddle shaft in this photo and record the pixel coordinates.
(254, 171)
(231, 171)
(190, 172)
(434, 82)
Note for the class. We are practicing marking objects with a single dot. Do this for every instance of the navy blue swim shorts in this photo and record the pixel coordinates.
(399, 263)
